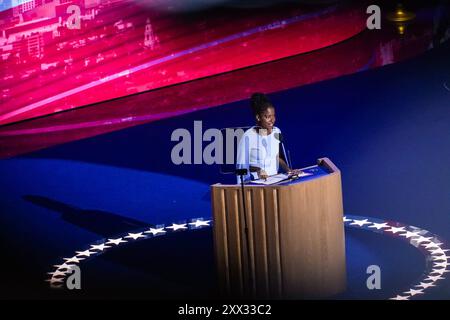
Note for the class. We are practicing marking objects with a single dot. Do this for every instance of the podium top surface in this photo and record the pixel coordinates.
(323, 168)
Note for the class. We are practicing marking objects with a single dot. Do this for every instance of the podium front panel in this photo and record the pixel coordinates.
(295, 236)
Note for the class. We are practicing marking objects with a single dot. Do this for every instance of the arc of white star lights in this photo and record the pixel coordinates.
(62, 270)
(437, 257)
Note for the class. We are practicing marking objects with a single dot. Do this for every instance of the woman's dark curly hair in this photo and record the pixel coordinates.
(260, 103)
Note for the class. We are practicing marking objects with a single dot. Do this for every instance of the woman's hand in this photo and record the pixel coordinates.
(294, 172)
(262, 174)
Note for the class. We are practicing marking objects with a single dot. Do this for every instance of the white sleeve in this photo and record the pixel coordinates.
(242, 157)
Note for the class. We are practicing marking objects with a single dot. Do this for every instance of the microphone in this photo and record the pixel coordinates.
(279, 137)
(290, 160)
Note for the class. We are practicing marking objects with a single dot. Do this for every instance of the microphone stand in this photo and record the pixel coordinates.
(280, 138)
(241, 173)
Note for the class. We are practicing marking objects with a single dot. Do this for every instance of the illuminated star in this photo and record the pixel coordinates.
(99, 247)
(423, 239)
(116, 241)
(135, 236)
(431, 245)
(378, 226)
(409, 234)
(63, 266)
(360, 222)
(441, 264)
(395, 229)
(439, 271)
(440, 258)
(346, 220)
(73, 260)
(434, 278)
(413, 292)
(154, 231)
(425, 285)
(176, 227)
(57, 273)
(55, 280)
(86, 253)
(200, 223)
(400, 298)
(439, 251)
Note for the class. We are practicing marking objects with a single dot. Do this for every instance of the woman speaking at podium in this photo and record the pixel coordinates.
(259, 148)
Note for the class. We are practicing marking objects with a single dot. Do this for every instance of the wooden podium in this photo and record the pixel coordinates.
(296, 237)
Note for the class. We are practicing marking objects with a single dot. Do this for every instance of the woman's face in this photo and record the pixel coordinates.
(266, 119)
